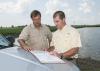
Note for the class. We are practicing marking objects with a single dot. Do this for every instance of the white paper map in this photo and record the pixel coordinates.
(45, 57)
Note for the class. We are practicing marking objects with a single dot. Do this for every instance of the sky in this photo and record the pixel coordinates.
(80, 12)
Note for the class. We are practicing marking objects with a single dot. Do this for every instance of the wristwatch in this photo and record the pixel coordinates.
(61, 57)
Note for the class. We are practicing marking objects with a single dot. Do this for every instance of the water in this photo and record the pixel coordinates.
(90, 38)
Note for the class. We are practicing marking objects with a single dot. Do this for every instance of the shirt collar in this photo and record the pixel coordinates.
(32, 25)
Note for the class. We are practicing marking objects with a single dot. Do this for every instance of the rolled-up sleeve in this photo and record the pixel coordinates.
(24, 34)
(76, 40)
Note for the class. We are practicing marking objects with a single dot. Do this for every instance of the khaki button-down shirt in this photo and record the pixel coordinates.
(37, 39)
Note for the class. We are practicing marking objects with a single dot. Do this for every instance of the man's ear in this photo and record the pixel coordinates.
(63, 19)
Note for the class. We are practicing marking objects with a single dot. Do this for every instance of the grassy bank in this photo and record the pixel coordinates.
(10, 31)
(15, 31)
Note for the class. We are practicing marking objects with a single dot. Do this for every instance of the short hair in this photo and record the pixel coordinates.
(35, 13)
(61, 14)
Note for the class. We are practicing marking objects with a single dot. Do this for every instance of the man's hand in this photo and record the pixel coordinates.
(24, 46)
(27, 48)
(49, 49)
(55, 53)
(45, 49)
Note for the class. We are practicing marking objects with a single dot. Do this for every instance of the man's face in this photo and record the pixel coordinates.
(58, 22)
(37, 21)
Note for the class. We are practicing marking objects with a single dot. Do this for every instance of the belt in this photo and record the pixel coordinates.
(69, 59)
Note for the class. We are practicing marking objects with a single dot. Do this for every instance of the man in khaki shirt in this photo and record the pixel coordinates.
(35, 36)
(66, 40)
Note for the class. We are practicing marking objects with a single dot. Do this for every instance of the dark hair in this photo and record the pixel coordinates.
(60, 14)
(35, 13)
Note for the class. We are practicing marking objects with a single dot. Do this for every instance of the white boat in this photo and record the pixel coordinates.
(17, 59)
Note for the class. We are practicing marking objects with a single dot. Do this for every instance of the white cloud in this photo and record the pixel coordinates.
(86, 6)
(68, 11)
(98, 13)
(53, 5)
(11, 7)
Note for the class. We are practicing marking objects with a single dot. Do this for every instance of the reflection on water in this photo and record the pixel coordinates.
(90, 42)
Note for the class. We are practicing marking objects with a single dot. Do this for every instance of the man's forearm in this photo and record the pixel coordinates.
(22, 43)
(24, 46)
(70, 53)
(50, 48)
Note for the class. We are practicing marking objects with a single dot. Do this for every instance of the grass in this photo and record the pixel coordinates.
(10, 31)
